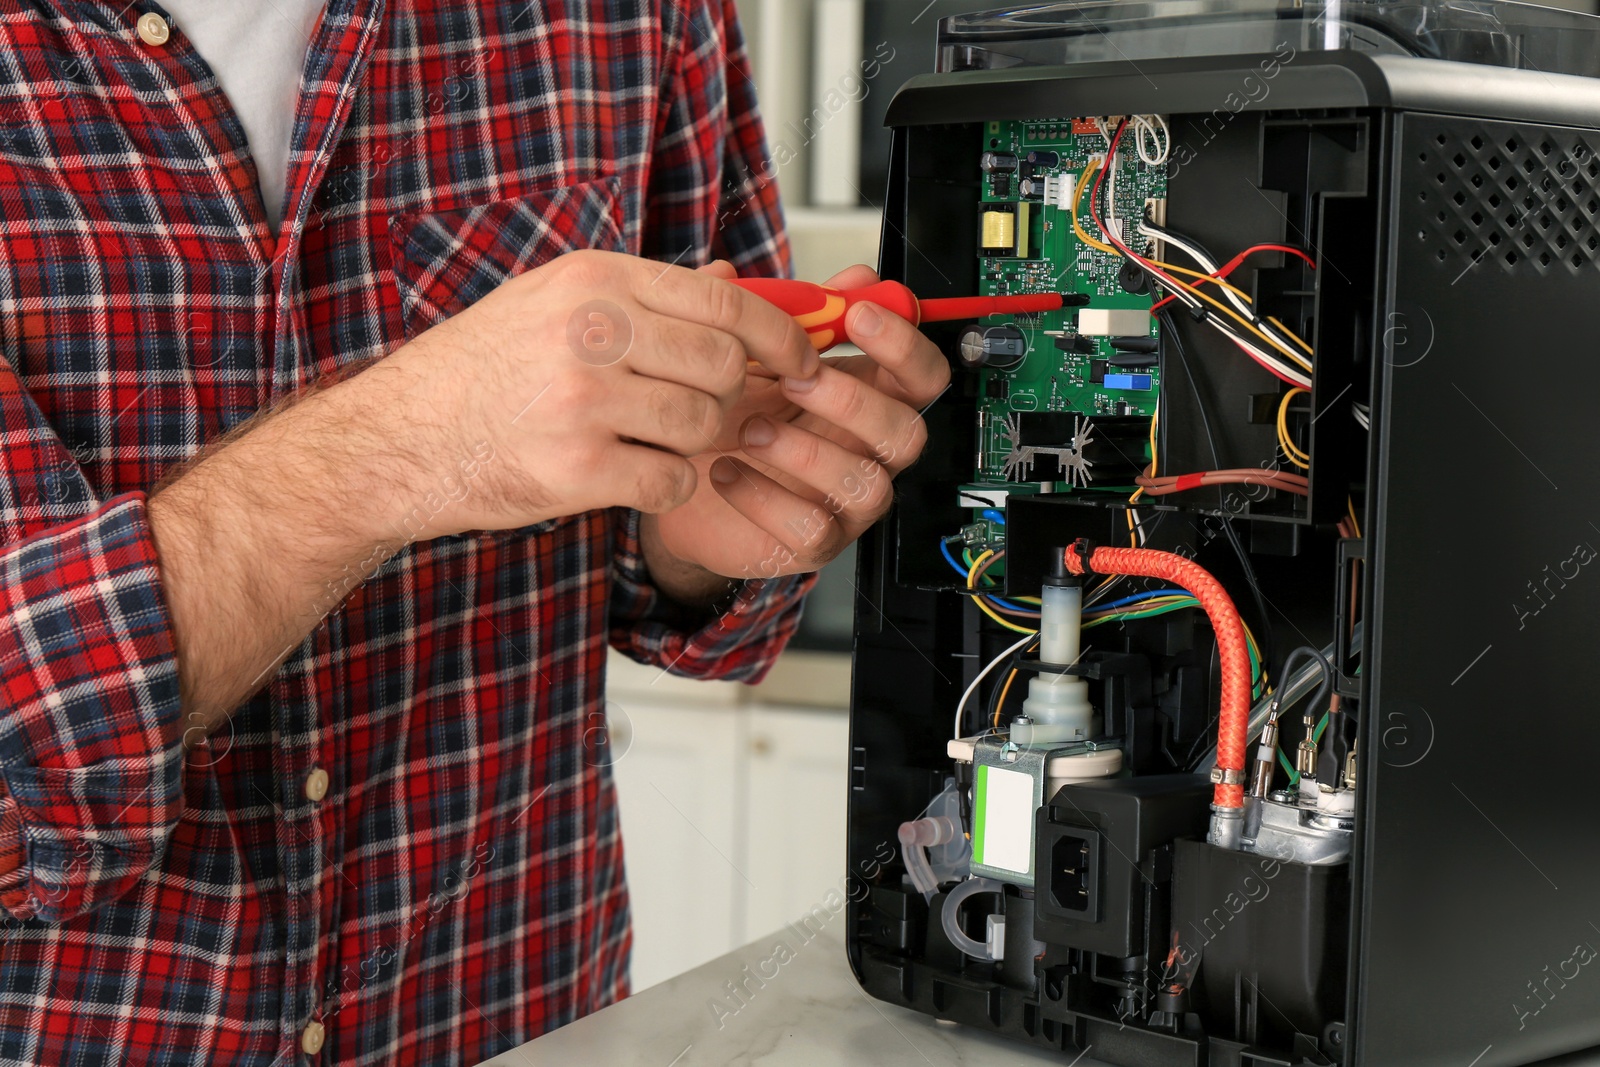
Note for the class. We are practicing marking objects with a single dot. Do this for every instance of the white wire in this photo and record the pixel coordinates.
(1156, 150)
(1205, 264)
(1294, 374)
(961, 705)
(1363, 415)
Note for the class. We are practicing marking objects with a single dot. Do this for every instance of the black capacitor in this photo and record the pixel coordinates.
(1042, 158)
(1135, 360)
(996, 347)
(1030, 188)
(1134, 344)
(997, 161)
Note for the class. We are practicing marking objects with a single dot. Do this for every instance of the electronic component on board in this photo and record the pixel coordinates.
(1113, 322)
(999, 232)
(996, 347)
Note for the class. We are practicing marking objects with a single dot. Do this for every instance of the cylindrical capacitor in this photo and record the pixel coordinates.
(1030, 188)
(997, 347)
(1042, 158)
(995, 161)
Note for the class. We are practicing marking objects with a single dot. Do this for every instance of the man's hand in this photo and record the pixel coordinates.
(804, 465)
(596, 376)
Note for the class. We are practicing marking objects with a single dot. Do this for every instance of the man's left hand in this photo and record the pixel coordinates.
(802, 468)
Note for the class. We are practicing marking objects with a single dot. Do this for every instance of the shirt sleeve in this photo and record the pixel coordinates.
(91, 759)
(736, 639)
(713, 190)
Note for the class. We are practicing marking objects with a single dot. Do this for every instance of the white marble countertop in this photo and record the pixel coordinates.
(810, 1012)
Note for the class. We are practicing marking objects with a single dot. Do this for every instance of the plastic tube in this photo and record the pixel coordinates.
(1234, 719)
(915, 837)
(950, 918)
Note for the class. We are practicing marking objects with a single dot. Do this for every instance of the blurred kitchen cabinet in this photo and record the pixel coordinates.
(797, 779)
(732, 803)
(676, 773)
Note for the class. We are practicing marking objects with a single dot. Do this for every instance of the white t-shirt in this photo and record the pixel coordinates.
(257, 52)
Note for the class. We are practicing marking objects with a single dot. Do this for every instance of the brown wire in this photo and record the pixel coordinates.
(1169, 484)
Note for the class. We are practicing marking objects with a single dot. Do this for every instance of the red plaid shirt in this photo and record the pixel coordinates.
(459, 889)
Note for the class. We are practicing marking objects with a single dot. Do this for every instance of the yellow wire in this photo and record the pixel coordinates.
(1013, 627)
(1077, 224)
(1133, 533)
(1355, 524)
(1290, 449)
(972, 579)
(1250, 637)
(1203, 276)
(1002, 701)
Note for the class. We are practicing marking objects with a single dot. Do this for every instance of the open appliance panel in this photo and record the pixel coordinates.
(1120, 922)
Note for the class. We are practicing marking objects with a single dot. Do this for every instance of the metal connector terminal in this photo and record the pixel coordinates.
(1261, 779)
(1305, 757)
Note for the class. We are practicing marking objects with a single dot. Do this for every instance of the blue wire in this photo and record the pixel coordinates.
(993, 516)
(944, 549)
(1135, 598)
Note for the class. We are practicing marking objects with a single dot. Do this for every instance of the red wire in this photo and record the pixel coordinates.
(1173, 283)
(1233, 726)
(1233, 263)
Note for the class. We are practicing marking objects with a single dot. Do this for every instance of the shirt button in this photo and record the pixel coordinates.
(311, 1038)
(316, 785)
(153, 29)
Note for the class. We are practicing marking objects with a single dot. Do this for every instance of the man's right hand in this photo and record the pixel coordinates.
(593, 377)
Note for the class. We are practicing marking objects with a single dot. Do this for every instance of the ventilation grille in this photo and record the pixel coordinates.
(1516, 199)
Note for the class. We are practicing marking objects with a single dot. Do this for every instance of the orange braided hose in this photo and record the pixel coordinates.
(1235, 717)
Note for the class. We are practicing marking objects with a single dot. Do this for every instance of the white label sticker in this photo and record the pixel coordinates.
(1007, 808)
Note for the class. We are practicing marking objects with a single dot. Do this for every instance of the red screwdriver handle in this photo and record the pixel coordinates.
(821, 310)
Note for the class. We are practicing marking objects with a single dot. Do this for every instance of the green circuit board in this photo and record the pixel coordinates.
(1047, 256)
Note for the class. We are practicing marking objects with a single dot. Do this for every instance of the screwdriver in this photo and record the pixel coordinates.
(820, 310)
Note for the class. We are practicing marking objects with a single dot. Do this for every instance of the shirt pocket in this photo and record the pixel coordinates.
(445, 261)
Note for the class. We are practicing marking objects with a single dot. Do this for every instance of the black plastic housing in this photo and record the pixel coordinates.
(1454, 209)
(1270, 937)
(1117, 823)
